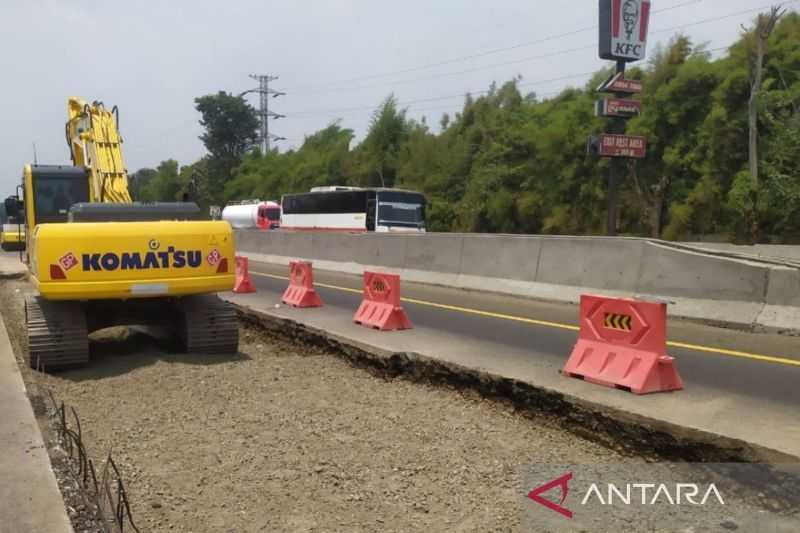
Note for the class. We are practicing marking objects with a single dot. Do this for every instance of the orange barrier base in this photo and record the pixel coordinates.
(243, 284)
(622, 368)
(301, 297)
(381, 315)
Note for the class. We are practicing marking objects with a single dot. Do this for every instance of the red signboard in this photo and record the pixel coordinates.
(622, 85)
(618, 107)
(618, 84)
(622, 146)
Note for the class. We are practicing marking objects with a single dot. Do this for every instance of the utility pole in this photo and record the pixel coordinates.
(264, 114)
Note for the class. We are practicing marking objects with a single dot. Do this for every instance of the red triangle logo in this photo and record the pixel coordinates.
(563, 483)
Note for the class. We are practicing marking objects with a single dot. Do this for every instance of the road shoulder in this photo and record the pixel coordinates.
(29, 496)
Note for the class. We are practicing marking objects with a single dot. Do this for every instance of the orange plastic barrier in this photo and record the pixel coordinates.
(380, 308)
(300, 292)
(623, 344)
(243, 284)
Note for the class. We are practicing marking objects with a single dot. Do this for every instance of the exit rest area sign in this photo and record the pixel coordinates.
(611, 145)
(623, 29)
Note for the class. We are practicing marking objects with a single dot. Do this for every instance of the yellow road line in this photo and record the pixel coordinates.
(735, 353)
(559, 325)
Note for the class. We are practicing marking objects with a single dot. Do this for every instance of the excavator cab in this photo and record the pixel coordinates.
(53, 190)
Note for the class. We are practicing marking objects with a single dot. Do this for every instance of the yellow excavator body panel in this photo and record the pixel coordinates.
(123, 260)
(12, 234)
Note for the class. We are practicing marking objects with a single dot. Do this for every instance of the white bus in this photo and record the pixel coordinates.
(354, 209)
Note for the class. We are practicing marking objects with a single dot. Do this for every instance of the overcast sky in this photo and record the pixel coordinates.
(152, 58)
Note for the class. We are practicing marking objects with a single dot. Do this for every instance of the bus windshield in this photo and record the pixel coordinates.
(405, 209)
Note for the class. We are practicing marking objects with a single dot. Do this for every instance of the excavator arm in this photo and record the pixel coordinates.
(95, 143)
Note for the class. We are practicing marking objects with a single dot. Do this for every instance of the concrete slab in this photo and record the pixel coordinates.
(669, 271)
(29, 495)
(327, 246)
(436, 252)
(774, 251)
(752, 427)
(588, 262)
(500, 256)
(784, 286)
(380, 250)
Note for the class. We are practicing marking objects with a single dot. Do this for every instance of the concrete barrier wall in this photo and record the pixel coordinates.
(600, 263)
(674, 272)
(500, 256)
(548, 266)
(778, 251)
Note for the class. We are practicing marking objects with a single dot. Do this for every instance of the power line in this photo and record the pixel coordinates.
(459, 95)
(434, 98)
(663, 30)
(412, 103)
(460, 59)
(531, 58)
(466, 71)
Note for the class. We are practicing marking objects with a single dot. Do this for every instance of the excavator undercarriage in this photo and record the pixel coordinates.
(58, 330)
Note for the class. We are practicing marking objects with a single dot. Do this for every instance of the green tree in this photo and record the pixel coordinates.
(677, 98)
(165, 185)
(378, 153)
(323, 159)
(231, 126)
(139, 180)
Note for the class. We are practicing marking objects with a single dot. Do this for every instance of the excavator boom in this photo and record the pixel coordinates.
(95, 143)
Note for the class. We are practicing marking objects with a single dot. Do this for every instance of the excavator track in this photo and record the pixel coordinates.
(208, 325)
(57, 334)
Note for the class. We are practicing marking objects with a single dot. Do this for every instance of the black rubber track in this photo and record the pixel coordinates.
(209, 325)
(57, 335)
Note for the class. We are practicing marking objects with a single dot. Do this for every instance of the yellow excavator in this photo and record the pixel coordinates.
(12, 236)
(98, 259)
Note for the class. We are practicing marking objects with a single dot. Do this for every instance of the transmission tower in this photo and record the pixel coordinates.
(264, 114)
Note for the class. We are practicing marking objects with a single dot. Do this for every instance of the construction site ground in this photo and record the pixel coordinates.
(284, 437)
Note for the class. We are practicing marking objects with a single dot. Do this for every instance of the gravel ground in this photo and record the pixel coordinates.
(284, 438)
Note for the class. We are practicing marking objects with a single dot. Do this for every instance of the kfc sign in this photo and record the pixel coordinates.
(623, 29)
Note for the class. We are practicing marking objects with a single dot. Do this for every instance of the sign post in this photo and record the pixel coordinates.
(623, 38)
(616, 169)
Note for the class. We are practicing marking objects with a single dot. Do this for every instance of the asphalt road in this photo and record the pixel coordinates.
(761, 365)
